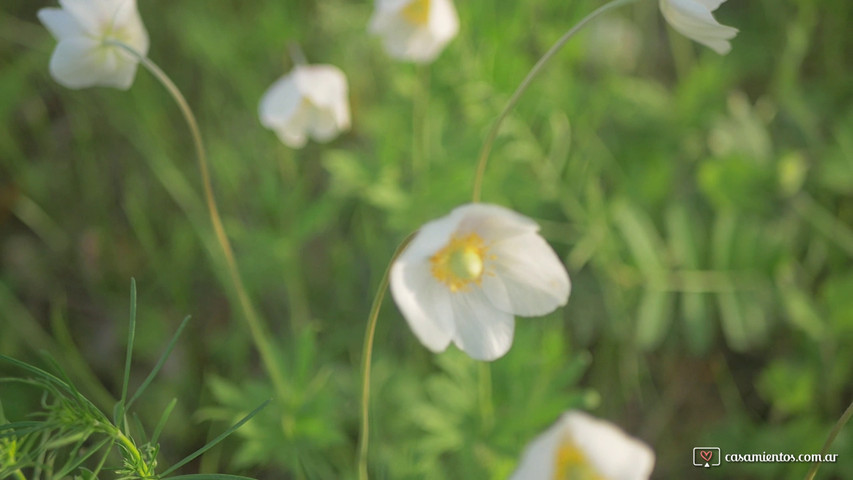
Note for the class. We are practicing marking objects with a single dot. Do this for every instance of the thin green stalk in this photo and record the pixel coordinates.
(534, 72)
(420, 125)
(258, 330)
(144, 470)
(845, 417)
(366, 358)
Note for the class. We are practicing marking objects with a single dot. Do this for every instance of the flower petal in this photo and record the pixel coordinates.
(482, 331)
(538, 460)
(323, 85)
(615, 454)
(405, 40)
(711, 5)
(323, 126)
(424, 302)
(432, 237)
(90, 14)
(279, 102)
(60, 23)
(81, 62)
(693, 19)
(293, 131)
(492, 222)
(443, 22)
(525, 277)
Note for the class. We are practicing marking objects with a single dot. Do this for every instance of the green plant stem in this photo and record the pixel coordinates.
(534, 72)
(19, 475)
(420, 125)
(127, 444)
(845, 417)
(259, 332)
(367, 356)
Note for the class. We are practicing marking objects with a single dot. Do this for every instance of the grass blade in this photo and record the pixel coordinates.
(215, 441)
(160, 362)
(163, 419)
(120, 407)
(210, 476)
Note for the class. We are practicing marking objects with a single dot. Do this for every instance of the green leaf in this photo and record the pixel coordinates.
(642, 239)
(215, 441)
(119, 410)
(733, 321)
(654, 317)
(160, 362)
(698, 327)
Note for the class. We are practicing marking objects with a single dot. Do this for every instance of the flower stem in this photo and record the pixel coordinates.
(296, 54)
(845, 417)
(534, 72)
(420, 125)
(257, 328)
(366, 357)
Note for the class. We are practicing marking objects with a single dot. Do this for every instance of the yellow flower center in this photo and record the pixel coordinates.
(417, 12)
(570, 463)
(460, 262)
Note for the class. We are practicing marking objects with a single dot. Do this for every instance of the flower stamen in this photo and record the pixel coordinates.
(570, 462)
(417, 12)
(460, 262)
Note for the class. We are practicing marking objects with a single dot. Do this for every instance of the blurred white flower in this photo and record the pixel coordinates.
(415, 30)
(83, 28)
(311, 100)
(464, 276)
(693, 19)
(579, 446)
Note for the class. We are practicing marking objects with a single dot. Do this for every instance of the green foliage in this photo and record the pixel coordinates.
(702, 204)
(72, 434)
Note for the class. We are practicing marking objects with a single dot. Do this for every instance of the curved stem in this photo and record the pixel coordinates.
(845, 417)
(257, 328)
(367, 356)
(297, 56)
(534, 72)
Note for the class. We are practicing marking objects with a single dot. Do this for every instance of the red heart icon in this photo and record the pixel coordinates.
(706, 455)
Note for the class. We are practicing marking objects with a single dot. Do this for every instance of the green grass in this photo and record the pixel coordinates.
(703, 206)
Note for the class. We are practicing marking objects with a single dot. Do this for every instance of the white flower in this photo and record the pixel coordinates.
(464, 276)
(83, 58)
(415, 30)
(579, 446)
(311, 100)
(693, 19)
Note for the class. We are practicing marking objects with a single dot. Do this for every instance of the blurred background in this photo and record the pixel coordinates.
(703, 205)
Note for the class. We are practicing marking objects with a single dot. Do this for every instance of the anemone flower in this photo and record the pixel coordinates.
(415, 30)
(85, 55)
(311, 100)
(579, 446)
(465, 276)
(693, 19)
